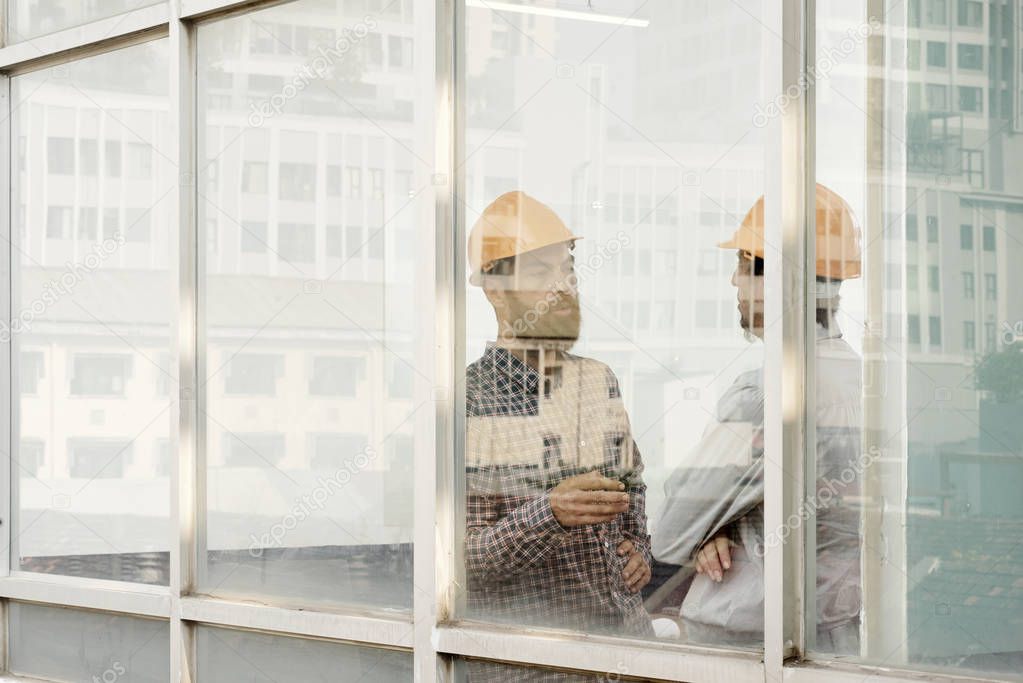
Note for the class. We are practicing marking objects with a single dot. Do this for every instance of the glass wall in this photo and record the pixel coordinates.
(93, 305)
(927, 153)
(27, 19)
(304, 195)
(611, 381)
(290, 287)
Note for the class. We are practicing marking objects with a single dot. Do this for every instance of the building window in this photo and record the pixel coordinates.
(60, 156)
(971, 99)
(58, 222)
(400, 379)
(335, 376)
(353, 241)
(989, 238)
(253, 237)
(969, 289)
(989, 337)
(111, 222)
(932, 229)
(937, 97)
(88, 157)
(911, 232)
(95, 374)
(912, 277)
(937, 54)
(335, 237)
(966, 237)
(969, 335)
(98, 458)
(913, 55)
(138, 223)
(256, 450)
(334, 182)
(297, 182)
(970, 13)
(32, 369)
(933, 279)
(376, 183)
(30, 457)
(112, 158)
(138, 159)
(254, 374)
(354, 181)
(254, 177)
(87, 223)
(990, 287)
(331, 451)
(913, 329)
(934, 330)
(969, 56)
(937, 12)
(296, 242)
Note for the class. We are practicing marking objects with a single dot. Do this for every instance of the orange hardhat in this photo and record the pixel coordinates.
(838, 236)
(513, 224)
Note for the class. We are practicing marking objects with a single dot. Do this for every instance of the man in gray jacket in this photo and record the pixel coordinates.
(712, 520)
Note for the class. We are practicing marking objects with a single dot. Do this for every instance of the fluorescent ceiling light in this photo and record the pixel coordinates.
(558, 13)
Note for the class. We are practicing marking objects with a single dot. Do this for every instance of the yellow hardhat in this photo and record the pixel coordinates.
(513, 224)
(838, 236)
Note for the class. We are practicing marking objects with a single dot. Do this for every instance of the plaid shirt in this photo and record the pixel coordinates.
(526, 431)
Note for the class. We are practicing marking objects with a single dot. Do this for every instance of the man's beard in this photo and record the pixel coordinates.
(541, 319)
(750, 328)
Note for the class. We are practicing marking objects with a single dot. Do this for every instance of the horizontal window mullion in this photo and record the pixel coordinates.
(24, 54)
(96, 594)
(609, 655)
(379, 629)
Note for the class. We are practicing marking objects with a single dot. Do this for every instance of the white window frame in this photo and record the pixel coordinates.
(432, 632)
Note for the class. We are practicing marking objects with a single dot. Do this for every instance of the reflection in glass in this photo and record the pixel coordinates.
(61, 644)
(308, 305)
(938, 318)
(228, 656)
(93, 309)
(30, 18)
(607, 156)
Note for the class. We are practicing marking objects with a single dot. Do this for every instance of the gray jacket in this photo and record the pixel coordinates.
(719, 489)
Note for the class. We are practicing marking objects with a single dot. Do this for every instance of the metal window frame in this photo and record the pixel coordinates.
(432, 633)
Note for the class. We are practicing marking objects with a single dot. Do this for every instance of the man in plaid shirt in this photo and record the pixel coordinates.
(555, 522)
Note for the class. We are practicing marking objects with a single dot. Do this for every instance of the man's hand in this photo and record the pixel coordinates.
(715, 558)
(636, 572)
(588, 499)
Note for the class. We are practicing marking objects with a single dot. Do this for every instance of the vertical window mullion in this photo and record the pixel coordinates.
(187, 505)
(436, 562)
(788, 369)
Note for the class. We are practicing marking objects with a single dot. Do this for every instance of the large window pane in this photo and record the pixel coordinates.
(306, 490)
(229, 656)
(629, 367)
(60, 644)
(30, 18)
(930, 505)
(92, 317)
